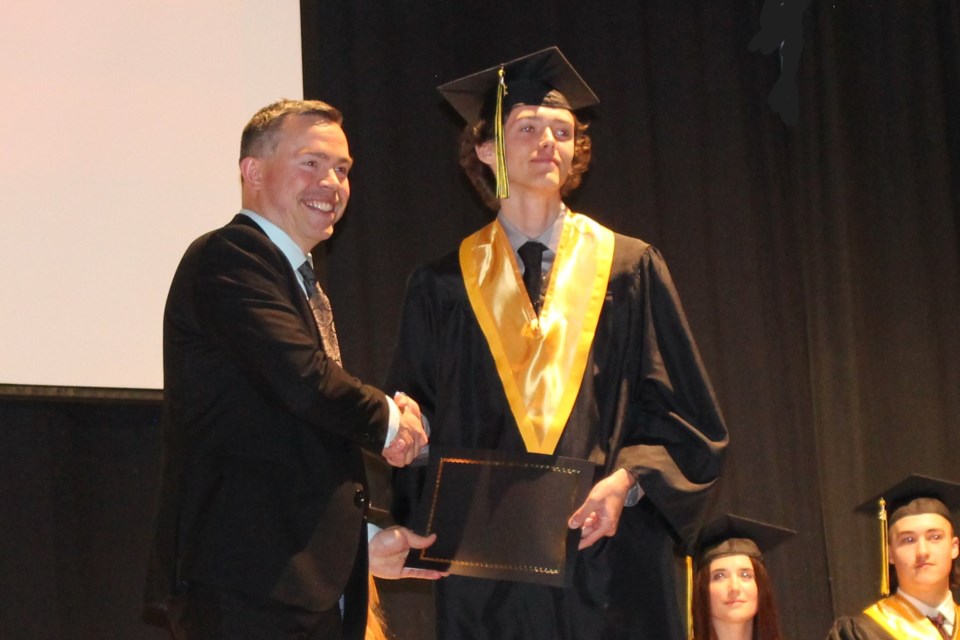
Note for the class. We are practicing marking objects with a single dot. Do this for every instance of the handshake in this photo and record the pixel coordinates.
(412, 435)
(389, 548)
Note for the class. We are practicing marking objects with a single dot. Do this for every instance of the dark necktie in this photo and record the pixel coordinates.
(322, 313)
(532, 255)
(938, 621)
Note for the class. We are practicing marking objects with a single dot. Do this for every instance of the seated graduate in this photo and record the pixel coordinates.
(918, 538)
(732, 597)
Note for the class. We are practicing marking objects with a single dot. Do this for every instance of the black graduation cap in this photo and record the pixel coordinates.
(544, 77)
(730, 535)
(529, 79)
(735, 535)
(914, 495)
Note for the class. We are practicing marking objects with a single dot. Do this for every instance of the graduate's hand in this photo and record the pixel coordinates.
(599, 515)
(388, 551)
(411, 437)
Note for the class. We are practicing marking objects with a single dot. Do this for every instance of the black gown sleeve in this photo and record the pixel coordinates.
(414, 371)
(680, 436)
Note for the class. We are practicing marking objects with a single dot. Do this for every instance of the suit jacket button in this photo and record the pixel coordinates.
(360, 499)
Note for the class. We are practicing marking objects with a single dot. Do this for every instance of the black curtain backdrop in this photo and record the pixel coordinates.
(818, 263)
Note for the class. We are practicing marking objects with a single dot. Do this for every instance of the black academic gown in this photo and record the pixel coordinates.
(645, 404)
(897, 614)
(858, 627)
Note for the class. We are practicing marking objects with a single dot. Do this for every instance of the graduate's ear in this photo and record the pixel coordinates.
(955, 547)
(486, 153)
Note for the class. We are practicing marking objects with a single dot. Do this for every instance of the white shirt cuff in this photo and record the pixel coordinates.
(393, 426)
(633, 496)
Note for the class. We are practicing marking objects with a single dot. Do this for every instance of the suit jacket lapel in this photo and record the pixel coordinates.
(294, 291)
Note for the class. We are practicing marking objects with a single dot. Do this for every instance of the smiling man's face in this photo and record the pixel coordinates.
(302, 185)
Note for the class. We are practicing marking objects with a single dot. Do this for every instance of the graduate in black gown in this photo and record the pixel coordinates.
(732, 596)
(584, 352)
(922, 545)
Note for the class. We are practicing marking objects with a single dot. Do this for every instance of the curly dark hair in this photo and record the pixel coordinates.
(766, 624)
(259, 137)
(482, 177)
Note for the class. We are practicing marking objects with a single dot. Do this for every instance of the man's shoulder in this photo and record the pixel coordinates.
(241, 234)
(242, 229)
(632, 254)
(237, 243)
(622, 243)
(442, 266)
(630, 243)
(857, 627)
(438, 281)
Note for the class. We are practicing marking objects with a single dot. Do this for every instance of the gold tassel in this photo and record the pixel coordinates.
(884, 551)
(376, 626)
(503, 185)
(689, 597)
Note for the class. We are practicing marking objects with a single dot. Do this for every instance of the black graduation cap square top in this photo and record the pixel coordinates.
(544, 77)
(914, 495)
(735, 535)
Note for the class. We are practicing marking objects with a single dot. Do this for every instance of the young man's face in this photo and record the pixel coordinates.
(922, 550)
(539, 145)
(302, 186)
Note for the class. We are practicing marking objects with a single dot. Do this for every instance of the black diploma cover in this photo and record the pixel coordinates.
(502, 515)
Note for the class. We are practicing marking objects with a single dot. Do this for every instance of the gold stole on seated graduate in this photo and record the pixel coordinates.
(902, 620)
(540, 361)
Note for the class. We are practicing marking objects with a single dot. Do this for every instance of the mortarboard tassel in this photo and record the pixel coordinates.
(884, 551)
(503, 185)
(689, 597)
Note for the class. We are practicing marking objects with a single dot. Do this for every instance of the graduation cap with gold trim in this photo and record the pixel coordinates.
(914, 495)
(544, 77)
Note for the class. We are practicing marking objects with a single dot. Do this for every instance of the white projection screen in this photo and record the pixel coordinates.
(119, 134)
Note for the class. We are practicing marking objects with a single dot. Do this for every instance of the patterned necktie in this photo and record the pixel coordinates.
(938, 621)
(322, 313)
(532, 255)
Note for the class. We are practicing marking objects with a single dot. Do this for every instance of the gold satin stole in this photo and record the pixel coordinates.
(901, 619)
(540, 360)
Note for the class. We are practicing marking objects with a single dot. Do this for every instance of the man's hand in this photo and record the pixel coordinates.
(406, 402)
(411, 437)
(599, 515)
(388, 551)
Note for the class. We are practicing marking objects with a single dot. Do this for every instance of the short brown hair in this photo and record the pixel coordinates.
(482, 177)
(259, 137)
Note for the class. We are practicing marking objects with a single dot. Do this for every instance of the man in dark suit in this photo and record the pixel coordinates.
(261, 529)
